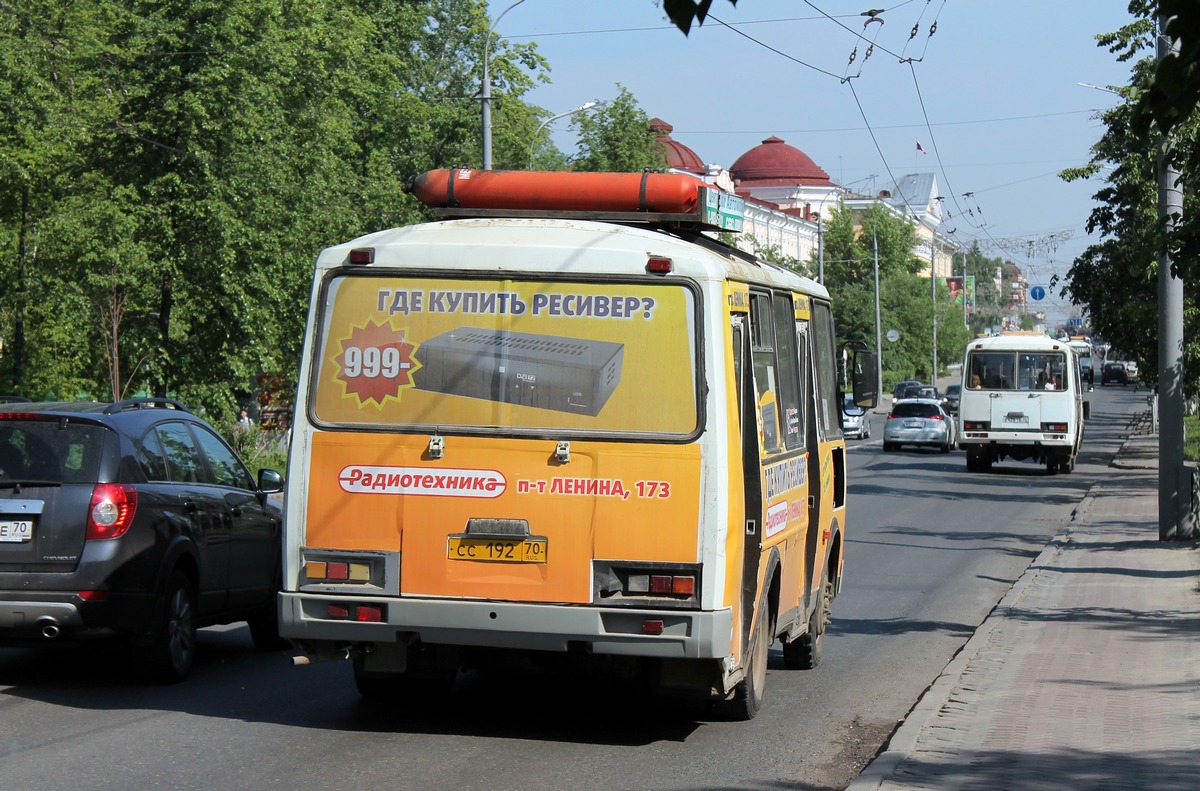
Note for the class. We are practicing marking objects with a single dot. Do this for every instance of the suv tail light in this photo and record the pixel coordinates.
(110, 513)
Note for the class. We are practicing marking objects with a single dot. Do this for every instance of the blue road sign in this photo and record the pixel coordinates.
(1037, 293)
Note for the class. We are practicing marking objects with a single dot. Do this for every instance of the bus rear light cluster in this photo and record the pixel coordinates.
(336, 571)
(1056, 428)
(975, 425)
(640, 584)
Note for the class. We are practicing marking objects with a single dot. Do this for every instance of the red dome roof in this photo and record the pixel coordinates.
(775, 162)
(679, 156)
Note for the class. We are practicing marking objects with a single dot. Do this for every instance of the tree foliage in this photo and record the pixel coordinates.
(169, 169)
(906, 298)
(1117, 278)
(1168, 99)
(616, 137)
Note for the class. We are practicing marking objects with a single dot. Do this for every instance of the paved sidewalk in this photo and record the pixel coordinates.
(1087, 673)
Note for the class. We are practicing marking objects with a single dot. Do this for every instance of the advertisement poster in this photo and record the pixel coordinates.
(957, 292)
(508, 353)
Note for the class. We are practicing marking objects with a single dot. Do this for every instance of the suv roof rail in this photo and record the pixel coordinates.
(145, 403)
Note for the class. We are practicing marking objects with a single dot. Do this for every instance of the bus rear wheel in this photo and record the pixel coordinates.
(748, 694)
(807, 650)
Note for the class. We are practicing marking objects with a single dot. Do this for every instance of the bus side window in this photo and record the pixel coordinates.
(762, 341)
(791, 404)
(824, 360)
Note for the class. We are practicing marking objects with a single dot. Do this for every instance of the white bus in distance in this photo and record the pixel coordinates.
(1022, 400)
(1086, 353)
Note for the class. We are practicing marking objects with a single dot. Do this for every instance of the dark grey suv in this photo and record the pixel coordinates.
(132, 520)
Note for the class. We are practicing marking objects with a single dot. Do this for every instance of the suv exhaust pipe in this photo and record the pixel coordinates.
(50, 628)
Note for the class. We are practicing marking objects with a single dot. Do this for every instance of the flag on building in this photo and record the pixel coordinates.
(920, 147)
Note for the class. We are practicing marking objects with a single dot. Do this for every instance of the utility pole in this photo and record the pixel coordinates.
(485, 93)
(933, 295)
(1175, 521)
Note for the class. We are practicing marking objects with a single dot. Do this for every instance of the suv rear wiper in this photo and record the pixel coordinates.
(17, 483)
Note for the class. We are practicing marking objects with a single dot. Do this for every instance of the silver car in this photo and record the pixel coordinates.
(919, 421)
(856, 421)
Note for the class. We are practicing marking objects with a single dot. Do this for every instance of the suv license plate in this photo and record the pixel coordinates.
(497, 550)
(16, 531)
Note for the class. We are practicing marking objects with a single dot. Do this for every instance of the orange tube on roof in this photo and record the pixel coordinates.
(558, 191)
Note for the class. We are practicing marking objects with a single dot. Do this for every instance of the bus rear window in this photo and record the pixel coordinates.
(1010, 370)
(512, 355)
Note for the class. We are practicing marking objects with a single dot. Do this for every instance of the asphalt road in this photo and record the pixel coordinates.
(931, 549)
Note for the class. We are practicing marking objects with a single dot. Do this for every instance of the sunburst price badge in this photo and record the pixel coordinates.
(376, 362)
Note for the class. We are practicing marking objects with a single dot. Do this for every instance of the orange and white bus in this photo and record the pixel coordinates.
(566, 422)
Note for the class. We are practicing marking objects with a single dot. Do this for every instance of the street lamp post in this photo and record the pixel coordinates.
(820, 248)
(878, 325)
(485, 93)
(552, 119)
(933, 297)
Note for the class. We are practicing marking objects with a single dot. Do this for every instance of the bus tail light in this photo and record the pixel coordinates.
(364, 613)
(975, 425)
(323, 567)
(653, 626)
(362, 255)
(1057, 428)
(368, 613)
(684, 584)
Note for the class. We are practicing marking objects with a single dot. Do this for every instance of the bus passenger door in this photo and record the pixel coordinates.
(747, 397)
(811, 439)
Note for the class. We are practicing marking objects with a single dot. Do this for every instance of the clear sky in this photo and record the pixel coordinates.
(993, 96)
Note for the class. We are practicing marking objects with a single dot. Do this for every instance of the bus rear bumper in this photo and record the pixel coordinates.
(669, 634)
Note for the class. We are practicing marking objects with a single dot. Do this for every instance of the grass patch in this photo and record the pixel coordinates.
(1191, 437)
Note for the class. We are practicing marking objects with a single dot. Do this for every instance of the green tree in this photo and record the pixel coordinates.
(52, 103)
(906, 298)
(616, 137)
(169, 168)
(1117, 278)
(988, 310)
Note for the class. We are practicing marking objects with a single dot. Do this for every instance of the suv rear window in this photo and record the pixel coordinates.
(50, 450)
(914, 410)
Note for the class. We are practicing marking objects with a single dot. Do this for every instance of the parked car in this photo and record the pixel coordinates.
(1131, 369)
(134, 521)
(919, 421)
(1114, 373)
(856, 421)
(902, 387)
(950, 399)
